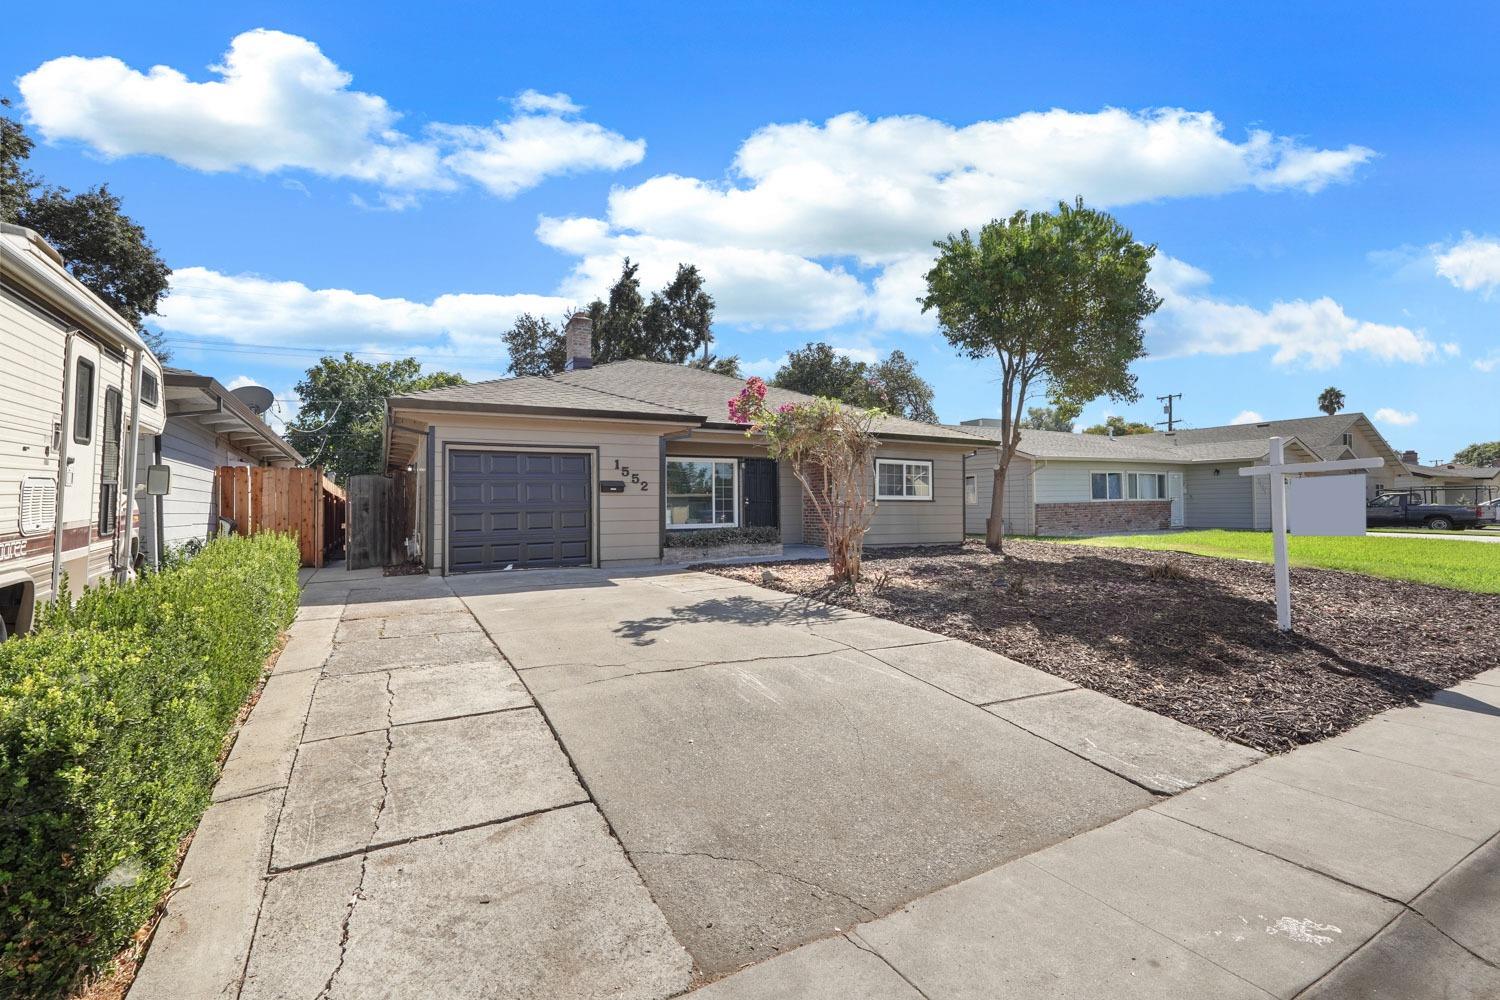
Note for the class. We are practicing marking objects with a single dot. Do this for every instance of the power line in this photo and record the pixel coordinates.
(1171, 420)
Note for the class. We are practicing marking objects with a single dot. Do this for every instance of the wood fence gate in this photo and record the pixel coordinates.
(301, 502)
(382, 520)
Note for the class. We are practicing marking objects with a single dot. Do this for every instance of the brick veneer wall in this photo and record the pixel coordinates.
(1103, 517)
(812, 527)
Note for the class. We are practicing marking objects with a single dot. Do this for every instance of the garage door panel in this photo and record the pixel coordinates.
(519, 508)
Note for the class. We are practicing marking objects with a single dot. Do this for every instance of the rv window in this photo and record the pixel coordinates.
(150, 389)
(83, 402)
(109, 466)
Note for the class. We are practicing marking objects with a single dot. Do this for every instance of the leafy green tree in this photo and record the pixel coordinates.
(892, 385)
(1479, 454)
(102, 246)
(1331, 400)
(1119, 427)
(1058, 299)
(679, 319)
(536, 346)
(1060, 416)
(342, 417)
(727, 365)
(673, 326)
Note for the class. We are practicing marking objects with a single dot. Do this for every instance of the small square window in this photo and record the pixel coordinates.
(1106, 485)
(150, 389)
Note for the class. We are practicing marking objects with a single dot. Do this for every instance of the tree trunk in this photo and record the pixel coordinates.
(994, 528)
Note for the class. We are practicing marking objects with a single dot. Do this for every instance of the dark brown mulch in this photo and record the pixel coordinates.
(1197, 642)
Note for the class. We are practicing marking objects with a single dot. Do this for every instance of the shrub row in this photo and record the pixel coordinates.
(113, 712)
(707, 538)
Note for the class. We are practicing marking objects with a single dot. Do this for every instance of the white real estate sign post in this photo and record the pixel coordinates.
(1280, 470)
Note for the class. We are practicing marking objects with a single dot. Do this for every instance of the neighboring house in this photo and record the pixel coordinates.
(596, 465)
(1449, 483)
(81, 393)
(1061, 483)
(207, 428)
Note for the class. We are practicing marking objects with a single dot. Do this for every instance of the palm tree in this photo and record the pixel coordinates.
(1330, 400)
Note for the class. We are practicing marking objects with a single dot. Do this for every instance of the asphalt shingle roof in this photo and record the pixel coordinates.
(1236, 442)
(643, 389)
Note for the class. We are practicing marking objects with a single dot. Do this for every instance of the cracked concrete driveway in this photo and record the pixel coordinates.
(588, 784)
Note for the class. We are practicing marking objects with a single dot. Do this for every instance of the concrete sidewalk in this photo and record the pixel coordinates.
(1363, 868)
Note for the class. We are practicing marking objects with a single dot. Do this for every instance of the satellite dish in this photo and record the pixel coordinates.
(257, 397)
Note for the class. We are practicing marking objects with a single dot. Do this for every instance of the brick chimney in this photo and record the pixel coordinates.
(1409, 458)
(578, 337)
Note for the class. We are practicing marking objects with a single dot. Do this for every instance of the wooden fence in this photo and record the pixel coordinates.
(382, 519)
(301, 502)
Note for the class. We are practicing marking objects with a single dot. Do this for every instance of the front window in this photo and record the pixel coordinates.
(701, 493)
(971, 491)
(1106, 485)
(1148, 485)
(899, 479)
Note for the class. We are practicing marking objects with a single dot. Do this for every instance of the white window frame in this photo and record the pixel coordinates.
(734, 506)
(905, 463)
(971, 490)
(1106, 473)
(1131, 487)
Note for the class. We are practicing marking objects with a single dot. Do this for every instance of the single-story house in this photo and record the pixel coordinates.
(1448, 482)
(597, 464)
(1061, 483)
(207, 428)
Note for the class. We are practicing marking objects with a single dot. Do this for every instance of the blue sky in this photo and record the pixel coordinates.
(1320, 182)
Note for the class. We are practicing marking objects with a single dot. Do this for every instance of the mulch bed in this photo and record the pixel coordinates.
(1196, 641)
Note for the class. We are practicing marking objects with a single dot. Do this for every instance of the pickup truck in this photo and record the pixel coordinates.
(1406, 510)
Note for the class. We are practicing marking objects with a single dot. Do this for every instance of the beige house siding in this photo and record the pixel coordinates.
(626, 525)
(1218, 501)
(1017, 509)
(1067, 481)
(922, 522)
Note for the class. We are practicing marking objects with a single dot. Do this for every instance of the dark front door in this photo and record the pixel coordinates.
(761, 496)
(518, 509)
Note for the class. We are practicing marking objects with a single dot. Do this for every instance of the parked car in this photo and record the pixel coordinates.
(1406, 510)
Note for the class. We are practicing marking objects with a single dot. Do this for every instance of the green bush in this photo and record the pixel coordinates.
(707, 538)
(113, 712)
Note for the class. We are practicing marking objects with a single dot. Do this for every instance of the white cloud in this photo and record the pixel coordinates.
(1397, 418)
(1247, 417)
(252, 309)
(1488, 363)
(1451, 349)
(846, 210)
(1472, 264)
(281, 104)
(1318, 333)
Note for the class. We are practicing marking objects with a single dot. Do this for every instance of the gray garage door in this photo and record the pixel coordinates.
(517, 508)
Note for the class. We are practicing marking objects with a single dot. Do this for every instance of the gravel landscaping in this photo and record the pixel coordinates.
(1189, 637)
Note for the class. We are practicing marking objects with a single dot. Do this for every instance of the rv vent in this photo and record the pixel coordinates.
(38, 504)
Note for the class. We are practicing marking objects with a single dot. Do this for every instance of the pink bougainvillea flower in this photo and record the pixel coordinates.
(785, 408)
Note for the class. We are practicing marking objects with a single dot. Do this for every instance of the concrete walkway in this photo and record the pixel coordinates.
(585, 784)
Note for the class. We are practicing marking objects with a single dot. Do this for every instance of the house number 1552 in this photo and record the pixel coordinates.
(634, 477)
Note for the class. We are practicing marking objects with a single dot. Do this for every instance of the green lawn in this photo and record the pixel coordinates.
(1471, 566)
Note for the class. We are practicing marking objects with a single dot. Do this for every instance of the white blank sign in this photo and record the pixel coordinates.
(1326, 505)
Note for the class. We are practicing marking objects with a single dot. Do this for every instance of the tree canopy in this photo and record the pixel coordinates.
(892, 384)
(1057, 298)
(1331, 400)
(343, 410)
(1061, 416)
(674, 325)
(1480, 453)
(102, 247)
(1119, 426)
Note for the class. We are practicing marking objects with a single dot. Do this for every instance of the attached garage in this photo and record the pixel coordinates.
(520, 509)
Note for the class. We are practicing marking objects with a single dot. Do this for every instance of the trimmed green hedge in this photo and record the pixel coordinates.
(113, 712)
(707, 538)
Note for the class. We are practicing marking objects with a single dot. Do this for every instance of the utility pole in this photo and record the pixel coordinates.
(1171, 421)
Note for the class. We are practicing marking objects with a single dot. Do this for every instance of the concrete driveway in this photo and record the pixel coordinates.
(585, 784)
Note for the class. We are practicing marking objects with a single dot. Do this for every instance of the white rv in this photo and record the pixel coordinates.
(78, 391)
